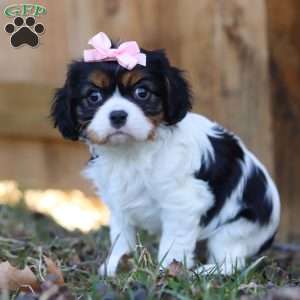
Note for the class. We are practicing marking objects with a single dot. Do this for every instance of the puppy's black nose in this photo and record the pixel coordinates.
(118, 118)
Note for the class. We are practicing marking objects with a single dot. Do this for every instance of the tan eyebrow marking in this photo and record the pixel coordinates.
(100, 79)
(132, 77)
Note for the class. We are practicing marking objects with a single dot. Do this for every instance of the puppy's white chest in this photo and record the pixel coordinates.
(137, 202)
(125, 187)
(144, 213)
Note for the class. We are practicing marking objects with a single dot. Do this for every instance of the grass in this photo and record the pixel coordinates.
(25, 237)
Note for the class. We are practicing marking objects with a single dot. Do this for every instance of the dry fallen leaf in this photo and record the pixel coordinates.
(175, 268)
(53, 269)
(12, 278)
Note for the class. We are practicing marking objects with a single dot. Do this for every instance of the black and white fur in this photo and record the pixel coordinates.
(165, 169)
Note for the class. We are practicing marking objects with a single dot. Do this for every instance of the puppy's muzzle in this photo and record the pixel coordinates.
(118, 118)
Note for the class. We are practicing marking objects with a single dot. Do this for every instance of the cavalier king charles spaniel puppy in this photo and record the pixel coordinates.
(159, 166)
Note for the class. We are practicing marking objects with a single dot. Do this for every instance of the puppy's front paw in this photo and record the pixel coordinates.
(109, 267)
(102, 270)
(107, 270)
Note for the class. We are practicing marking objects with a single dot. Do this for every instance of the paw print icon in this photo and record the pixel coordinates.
(24, 31)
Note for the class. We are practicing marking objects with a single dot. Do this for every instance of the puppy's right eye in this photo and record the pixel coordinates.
(95, 97)
(141, 93)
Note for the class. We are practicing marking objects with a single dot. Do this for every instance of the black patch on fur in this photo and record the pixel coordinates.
(177, 102)
(63, 115)
(224, 172)
(267, 244)
(256, 205)
(245, 213)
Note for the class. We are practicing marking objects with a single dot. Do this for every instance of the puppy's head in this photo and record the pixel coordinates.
(105, 103)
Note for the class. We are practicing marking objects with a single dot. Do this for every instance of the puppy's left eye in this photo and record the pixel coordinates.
(95, 97)
(141, 93)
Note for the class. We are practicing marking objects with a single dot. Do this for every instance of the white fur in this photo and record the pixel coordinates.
(151, 185)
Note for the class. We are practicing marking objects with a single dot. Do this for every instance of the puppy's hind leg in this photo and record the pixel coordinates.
(233, 243)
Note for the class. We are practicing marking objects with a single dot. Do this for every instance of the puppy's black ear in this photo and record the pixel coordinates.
(178, 101)
(62, 115)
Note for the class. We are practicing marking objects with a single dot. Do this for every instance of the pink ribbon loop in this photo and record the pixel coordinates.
(128, 54)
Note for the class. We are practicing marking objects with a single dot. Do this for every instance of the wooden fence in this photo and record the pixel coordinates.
(227, 47)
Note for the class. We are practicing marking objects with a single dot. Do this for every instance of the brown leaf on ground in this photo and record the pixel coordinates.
(126, 263)
(13, 279)
(55, 271)
(175, 268)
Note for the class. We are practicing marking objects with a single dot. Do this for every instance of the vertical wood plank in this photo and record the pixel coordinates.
(242, 101)
(284, 25)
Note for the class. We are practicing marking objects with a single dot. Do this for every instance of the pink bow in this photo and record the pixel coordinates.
(128, 54)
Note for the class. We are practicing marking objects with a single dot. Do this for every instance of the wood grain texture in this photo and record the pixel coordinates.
(242, 100)
(45, 64)
(24, 111)
(284, 41)
(43, 164)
